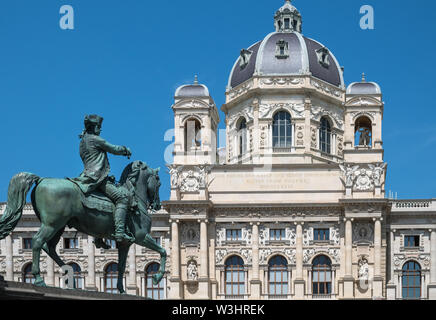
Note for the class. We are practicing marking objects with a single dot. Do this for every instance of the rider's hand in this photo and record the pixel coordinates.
(128, 152)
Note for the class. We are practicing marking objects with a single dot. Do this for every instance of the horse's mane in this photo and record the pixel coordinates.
(127, 170)
(131, 168)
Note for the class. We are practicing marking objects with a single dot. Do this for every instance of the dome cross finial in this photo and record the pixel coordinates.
(196, 79)
(363, 77)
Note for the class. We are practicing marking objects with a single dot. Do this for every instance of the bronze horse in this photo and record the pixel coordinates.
(58, 203)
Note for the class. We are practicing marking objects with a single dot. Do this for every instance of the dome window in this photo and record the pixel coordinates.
(245, 58)
(282, 49)
(323, 57)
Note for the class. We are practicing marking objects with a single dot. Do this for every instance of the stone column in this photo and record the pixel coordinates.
(307, 124)
(432, 285)
(176, 291)
(90, 279)
(348, 278)
(391, 287)
(50, 272)
(212, 269)
(9, 259)
(204, 290)
(378, 279)
(255, 281)
(256, 131)
(299, 282)
(132, 287)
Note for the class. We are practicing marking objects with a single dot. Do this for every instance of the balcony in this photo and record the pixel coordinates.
(278, 297)
(321, 297)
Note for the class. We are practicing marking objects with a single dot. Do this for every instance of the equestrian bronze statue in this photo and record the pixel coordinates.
(93, 204)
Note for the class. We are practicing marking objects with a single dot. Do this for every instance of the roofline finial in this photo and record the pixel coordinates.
(363, 77)
(196, 79)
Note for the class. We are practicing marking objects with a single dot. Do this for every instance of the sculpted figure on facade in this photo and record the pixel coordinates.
(350, 174)
(192, 271)
(377, 173)
(363, 269)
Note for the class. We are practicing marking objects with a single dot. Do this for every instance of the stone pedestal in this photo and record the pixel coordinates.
(256, 289)
(431, 291)
(299, 289)
(176, 289)
(377, 288)
(204, 289)
(348, 287)
(391, 291)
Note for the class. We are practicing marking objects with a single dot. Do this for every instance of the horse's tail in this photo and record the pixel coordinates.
(19, 186)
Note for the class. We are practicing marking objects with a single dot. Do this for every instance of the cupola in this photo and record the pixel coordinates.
(288, 19)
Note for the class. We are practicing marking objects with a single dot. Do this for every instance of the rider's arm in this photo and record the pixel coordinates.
(111, 148)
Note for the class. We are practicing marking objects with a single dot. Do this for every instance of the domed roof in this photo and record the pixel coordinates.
(192, 90)
(287, 52)
(363, 88)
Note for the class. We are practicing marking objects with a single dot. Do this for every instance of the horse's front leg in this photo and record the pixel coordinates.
(123, 251)
(151, 244)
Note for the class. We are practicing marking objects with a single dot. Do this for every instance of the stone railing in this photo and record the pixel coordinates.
(413, 205)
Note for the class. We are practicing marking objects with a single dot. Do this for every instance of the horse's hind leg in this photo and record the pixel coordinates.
(44, 234)
(151, 244)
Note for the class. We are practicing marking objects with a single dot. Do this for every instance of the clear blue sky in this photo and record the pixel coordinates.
(125, 59)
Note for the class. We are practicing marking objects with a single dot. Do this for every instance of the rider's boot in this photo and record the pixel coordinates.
(120, 225)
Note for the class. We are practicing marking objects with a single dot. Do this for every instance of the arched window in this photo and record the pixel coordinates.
(278, 276)
(411, 280)
(156, 292)
(321, 275)
(235, 276)
(242, 137)
(192, 134)
(78, 277)
(27, 275)
(325, 136)
(110, 278)
(363, 132)
(282, 130)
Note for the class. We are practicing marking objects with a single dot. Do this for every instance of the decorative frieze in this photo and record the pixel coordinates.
(189, 178)
(361, 178)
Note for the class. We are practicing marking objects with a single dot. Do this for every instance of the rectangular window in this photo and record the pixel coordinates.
(111, 243)
(233, 234)
(157, 240)
(321, 234)
(27, 243)
(287, 23)
(411, 241)
(71, 243)
(277, 234)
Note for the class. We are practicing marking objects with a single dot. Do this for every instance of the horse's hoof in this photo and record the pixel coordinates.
(40, 283)
(157, 278)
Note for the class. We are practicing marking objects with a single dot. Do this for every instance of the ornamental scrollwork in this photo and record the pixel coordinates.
(246, 113)
(189, 179)
(363, 179)
(318, 112)
(266, 110)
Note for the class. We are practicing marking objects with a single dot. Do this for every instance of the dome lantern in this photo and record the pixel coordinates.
(288, 18)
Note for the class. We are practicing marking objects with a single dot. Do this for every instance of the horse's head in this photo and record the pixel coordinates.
(146, 182)
(153, 185)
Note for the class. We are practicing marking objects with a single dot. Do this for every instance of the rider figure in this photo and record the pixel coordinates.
(93, 151)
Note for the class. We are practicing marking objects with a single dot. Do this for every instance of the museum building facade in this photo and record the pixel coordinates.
(294, 207)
